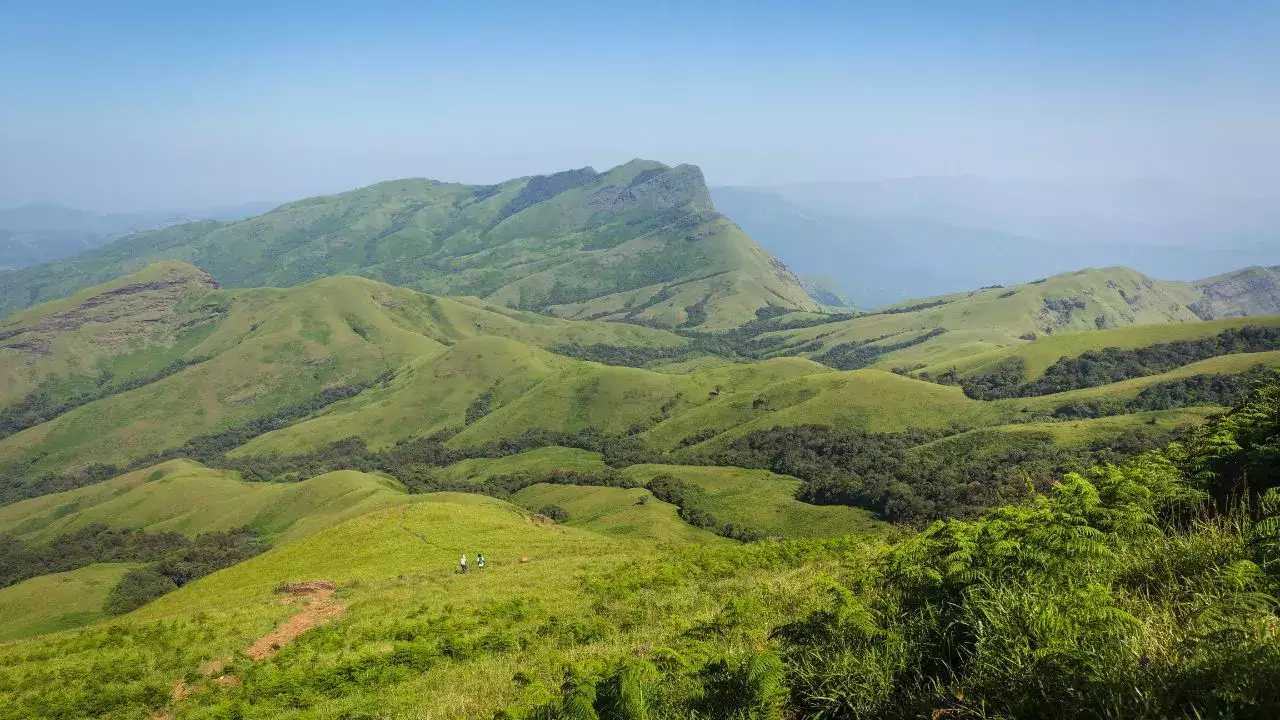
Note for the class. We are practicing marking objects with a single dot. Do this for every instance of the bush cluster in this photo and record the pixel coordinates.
(1110, 365)
(1144, 589)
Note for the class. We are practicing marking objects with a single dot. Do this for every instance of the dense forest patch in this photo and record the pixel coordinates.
(920, 475)
(175, 559)
(1198, 390)
(1111, 365)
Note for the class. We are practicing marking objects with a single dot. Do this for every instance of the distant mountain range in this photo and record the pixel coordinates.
(32, 234)
(641, 242)
(886, 241)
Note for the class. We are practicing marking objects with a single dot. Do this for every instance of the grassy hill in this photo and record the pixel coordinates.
(471, 366)
(400, 594)
(131, 327)
(186, 497)
(1045, 351)
(537, 462)
(631, 513)
(56, 602)
(640, 241)
(968, 325)
(756, 499)
(765, 501)
(567, 618)
(526, 389)
(144, 369)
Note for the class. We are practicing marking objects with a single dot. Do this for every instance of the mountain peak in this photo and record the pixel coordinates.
(641, 242)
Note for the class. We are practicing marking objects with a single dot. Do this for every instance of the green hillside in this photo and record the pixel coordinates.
(186, 497)
(524, 388)
(641, 241)
(631, 513)
(111, 397)
(538, 463)
(968, 325)
(60, 601)
(1045, 351)
(765, 501)
(132, 327)
(755, 499)
(880, 482)
(306, 359)
(564, 618)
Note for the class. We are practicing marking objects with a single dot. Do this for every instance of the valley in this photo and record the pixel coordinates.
(693, 483)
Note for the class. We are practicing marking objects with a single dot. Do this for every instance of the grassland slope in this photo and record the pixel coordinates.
(186, 497)
(60, 601)
(996, 318)
(644, 235)
(132, 381)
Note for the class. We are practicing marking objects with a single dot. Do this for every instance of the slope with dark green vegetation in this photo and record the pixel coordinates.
(1138, 590)
(126, 370)
(641, 242)
(739, 505)
(952, 329)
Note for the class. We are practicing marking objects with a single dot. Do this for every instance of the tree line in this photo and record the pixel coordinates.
(918, 476)
(1143, 589)
(1111, 365)
(209, 448)
(1198, 390)
(46, 403)
(174, 560)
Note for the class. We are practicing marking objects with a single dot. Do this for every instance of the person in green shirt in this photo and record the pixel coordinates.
(479, 560)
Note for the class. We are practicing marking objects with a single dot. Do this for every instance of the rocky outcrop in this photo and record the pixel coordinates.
(657, 189)
(130, 310)
(1252, 291)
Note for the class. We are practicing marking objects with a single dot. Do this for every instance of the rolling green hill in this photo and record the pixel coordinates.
(148, 362)
(958, 328)
(125, 369)
(525, 388)
(765, 501)
(565, 618)
(641, 241)
(1039, 355)
(756, 499)
(132, 326)
(481, 371)
(186, 497)
(59, 601)
(632, 513)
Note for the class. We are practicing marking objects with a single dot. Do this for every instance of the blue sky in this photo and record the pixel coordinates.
(158, 105)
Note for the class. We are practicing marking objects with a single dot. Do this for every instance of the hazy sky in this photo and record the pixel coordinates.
(165, 105)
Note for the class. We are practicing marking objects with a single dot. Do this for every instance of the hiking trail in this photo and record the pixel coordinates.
(320, 609)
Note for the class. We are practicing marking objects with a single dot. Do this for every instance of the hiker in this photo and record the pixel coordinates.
(480, 561)
(463, 563)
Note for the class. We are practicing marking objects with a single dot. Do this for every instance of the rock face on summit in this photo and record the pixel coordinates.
(1251, 291)
(639, 243)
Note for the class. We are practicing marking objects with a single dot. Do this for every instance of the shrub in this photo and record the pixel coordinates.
(137, 588)
(555, 512)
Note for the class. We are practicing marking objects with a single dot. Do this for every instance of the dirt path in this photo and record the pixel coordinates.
(320, 609)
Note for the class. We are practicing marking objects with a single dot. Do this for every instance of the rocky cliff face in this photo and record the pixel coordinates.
(656, 189)
(1252, 291)
(127, 312)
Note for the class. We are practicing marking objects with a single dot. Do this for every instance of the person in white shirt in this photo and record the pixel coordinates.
(463, 563)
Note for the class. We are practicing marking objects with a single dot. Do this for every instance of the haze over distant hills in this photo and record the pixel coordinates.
(36, 233)
(886, 241)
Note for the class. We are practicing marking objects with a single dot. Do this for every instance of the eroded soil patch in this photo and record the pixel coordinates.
(320, 609)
